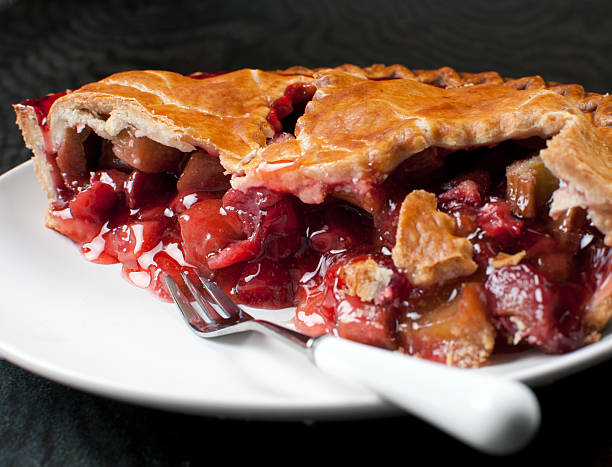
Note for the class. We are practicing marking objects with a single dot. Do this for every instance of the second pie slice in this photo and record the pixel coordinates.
(445, 215)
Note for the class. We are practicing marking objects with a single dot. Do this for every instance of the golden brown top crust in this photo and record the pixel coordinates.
(597, 107)
(224, 114)
(360, 125)
(357, 128)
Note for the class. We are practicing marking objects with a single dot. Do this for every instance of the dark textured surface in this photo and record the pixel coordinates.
(49, 46)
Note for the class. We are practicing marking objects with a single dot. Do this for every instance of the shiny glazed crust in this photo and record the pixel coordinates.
(224, 114)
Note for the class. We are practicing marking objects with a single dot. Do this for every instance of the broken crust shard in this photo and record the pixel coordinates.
(426, 248)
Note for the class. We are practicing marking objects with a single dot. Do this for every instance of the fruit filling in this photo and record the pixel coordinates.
(452, 257)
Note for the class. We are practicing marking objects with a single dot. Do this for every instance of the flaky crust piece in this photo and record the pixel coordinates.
(225, 114)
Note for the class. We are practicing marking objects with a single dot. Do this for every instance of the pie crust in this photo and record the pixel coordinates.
(359, 128)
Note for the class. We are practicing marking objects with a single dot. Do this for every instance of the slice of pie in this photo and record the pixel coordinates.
(446, 215)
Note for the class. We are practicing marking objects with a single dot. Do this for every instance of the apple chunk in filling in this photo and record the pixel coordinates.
(457, 333)
(144, 154)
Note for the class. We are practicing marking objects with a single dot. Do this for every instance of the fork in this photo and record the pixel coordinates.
(495, 415)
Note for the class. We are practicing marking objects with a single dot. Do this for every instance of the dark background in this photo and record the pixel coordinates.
(48, 46)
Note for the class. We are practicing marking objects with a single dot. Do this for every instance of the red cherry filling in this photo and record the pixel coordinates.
(366, 322)
(496, 219)
(466, 189)
(142, 189)
(128, 241)
(530, 307)
(327, 303)
(269, 223)
(94, 204)
(267, 249)
(292, 102)
(206, 229)
(266, 283)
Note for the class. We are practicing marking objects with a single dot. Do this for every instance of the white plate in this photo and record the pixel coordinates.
(83, 325)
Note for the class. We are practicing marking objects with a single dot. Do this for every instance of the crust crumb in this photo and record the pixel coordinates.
(365, 279)
(504, 259)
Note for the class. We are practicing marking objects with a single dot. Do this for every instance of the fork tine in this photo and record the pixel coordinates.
(188, 312)
(206, 306)
(220, 298)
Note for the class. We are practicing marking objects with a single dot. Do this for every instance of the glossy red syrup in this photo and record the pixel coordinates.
(42, 106)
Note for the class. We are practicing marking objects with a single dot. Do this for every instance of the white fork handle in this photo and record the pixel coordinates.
(495, 415)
